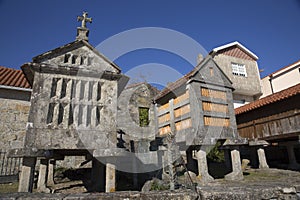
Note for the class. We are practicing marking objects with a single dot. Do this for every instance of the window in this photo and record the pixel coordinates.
(144, 116)
(238, 69)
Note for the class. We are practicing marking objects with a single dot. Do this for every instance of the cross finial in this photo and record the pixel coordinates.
(84, 18)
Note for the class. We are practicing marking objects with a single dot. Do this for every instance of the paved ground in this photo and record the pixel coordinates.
(258, 184)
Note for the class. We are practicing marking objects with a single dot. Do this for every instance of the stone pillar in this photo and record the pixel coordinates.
(51, 167)
(293, 164)
(27, 174)
(42, 179)
(262, 159)
(236, 173)
(110, 184)
(202, 167)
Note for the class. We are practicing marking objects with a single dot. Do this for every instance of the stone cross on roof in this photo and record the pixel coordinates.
(84, 19)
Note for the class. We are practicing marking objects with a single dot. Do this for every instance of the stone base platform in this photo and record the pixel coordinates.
(257, 184)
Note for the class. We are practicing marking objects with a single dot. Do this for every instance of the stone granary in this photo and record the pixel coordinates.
(197, 111)
(73, 107)
(79, 108)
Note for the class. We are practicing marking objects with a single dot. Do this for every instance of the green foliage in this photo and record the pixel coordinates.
(144, 116)
(157, 186)
(215, 154)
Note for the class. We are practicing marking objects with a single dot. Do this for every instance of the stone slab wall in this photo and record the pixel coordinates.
(243, 85)
(13, 119)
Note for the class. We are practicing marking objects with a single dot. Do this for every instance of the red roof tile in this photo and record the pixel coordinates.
(13, 78)
(278, 96)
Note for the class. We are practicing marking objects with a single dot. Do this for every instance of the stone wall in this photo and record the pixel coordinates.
(128, 119)
(13, 119)
(249, 85)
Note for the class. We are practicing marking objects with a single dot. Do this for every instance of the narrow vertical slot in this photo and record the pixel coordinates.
(89, 115)
(50, 113)
(71, 119)
(73, 89)
(80, 112)
(99, 91)
(60, 114)
(98, 115)
(63, 88)
(53, 87)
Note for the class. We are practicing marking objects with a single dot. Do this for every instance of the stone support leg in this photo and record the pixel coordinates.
(262, 159)
(51, 167)
(236, 173)
(42, 179)
(110, 184)
(293, 164)
(27, 174)
(202, 167)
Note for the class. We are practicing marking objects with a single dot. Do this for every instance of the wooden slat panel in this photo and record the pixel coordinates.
(213, 93)
(182, 110)
(214, 121)
(208, 106)
(162, 107)
(277, 125)
(164, 130)
(181, 97)
(164, 118)
(184, 124)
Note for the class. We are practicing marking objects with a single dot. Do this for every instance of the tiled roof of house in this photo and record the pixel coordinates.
(278, 96)
(233, 51)
(13, 78)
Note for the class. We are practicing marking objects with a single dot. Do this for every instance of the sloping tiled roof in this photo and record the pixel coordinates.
(13, 78)
(278, 96)
(236, 43)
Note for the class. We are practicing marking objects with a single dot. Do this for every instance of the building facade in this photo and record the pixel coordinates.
(282, 79)
(240, 66)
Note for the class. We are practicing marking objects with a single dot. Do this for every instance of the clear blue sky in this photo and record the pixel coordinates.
(269, 28)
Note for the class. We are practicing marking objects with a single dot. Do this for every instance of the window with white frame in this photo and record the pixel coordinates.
(238, 69)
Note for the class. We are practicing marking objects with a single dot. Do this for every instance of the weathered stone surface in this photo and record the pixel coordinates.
(236, 173)
(189, 174)
(50, 176)
(42, 178)
(203, 175)
(110, 184)
(14, 116)
(245, 163)
(27, 175)
(154, 184)
(262, 159)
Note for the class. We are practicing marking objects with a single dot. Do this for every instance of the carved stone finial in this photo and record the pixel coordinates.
(84, 18)
(83, 31)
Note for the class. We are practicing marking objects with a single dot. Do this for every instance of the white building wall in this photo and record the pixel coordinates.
(281, 80)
